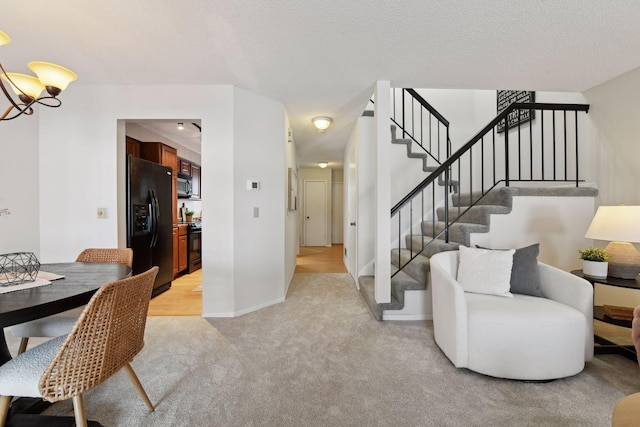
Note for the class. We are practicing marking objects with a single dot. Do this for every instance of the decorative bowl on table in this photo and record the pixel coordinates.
(18, 267)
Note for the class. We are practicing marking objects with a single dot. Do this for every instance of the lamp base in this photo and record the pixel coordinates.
(624, 260)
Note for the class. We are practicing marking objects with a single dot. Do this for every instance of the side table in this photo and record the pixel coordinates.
(606, 346)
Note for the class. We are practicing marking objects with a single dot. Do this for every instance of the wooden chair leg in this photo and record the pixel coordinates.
(136, 382)
(78, 410)
(5, 401)
(23, 345)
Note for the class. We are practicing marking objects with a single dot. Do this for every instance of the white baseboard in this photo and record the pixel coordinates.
(407, 317)
(244, 311)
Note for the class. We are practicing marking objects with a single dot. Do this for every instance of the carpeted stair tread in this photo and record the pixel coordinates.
(367, 289)
(417, 268)
(459, 232)
(480, 214)
(503, 195)
(431, 246)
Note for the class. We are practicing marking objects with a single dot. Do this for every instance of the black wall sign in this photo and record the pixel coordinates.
(508, 97)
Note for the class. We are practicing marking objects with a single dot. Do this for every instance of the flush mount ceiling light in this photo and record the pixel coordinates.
(323, 164)
(322, 123)
(50, 77)
(180, 126)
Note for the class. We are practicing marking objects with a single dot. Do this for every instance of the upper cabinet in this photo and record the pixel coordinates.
(185, 167)
(195, 181)
(192, 170)
(133, 147)
(160, 153)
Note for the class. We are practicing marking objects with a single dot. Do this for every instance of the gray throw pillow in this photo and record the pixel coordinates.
(524, 273)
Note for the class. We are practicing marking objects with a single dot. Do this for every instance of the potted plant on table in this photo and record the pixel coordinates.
(595, 262)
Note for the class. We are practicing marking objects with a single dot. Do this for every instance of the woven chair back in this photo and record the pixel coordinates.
(107, 335)
(112, 255)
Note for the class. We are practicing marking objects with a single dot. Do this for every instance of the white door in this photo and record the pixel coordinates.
(337, 225)
(352, 213)
(315, 213)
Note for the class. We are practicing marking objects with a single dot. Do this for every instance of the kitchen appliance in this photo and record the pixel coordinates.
(185, 188)
(194, 246)
(150, 219)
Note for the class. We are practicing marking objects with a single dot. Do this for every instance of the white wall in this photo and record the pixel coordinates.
(81, 148)
(614, 113)
(292, 220)
(558, 224)
(19, 190)
(259, 243)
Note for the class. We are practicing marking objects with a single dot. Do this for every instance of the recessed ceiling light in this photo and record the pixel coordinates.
(323, 164)
(180, 126)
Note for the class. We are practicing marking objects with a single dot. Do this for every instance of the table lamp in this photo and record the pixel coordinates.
(620, 225)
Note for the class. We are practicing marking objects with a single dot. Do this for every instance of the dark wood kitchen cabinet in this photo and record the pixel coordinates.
(176, 252)
(133, 147)
(195, 181)
(185, 167)
(179, 249)
(182, 248)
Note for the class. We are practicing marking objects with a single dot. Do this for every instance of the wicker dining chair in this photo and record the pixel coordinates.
(61, 323)
(113, 255)
(107, 336)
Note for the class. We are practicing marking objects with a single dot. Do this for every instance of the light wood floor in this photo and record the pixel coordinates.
(320, 259)
(184, 298)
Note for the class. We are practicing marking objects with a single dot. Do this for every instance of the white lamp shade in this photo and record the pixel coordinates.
(615, 224)
(53, 75)
(26, 84)
(4, 38)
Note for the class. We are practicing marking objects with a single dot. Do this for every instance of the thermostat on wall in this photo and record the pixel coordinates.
(253, 185)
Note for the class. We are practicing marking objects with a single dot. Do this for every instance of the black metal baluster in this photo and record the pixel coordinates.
(482, 164)
(519, 144)
(506, 154)
(565, 144)
(404, 133)
(577, 163)
(553, 115)
(542, 143)
(493, 143)
(530, 144)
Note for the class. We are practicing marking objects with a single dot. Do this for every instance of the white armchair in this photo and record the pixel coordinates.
(524, 337)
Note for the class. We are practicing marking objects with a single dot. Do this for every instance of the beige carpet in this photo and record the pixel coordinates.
(319, 359)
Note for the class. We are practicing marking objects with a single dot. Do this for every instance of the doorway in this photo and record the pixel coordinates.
(315, 213)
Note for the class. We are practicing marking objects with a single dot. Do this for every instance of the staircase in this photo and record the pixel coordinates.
(465, 206)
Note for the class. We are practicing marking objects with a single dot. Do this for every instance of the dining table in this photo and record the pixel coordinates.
(79, 282)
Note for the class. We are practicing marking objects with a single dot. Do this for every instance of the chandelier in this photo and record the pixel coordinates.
(50, 77)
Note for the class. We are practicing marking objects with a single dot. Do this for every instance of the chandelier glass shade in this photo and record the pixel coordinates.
(49, 77)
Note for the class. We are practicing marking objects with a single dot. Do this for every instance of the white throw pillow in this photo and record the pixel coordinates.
(484, 271)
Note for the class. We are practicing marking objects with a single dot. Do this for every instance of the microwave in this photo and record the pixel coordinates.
(184, 188)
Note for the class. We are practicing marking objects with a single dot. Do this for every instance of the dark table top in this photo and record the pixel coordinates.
(611, 281)
(81, 281)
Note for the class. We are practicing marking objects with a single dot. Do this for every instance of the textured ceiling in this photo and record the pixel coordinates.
(323, 57)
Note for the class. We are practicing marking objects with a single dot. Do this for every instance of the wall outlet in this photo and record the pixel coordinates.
(103, 213)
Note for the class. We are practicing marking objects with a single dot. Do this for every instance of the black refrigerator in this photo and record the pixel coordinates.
(150, 219)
